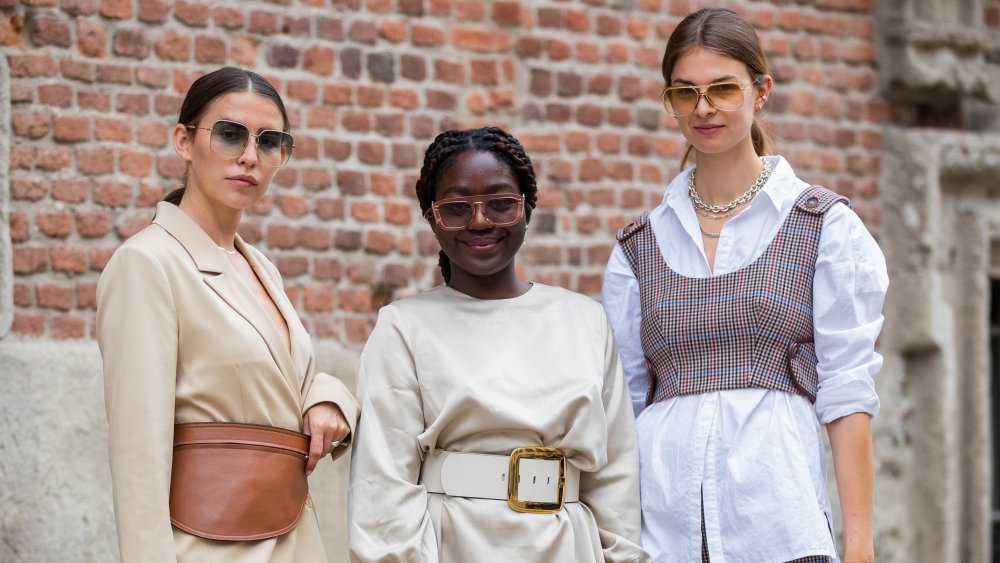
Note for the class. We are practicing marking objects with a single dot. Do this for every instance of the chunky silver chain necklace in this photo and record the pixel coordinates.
(747, 195)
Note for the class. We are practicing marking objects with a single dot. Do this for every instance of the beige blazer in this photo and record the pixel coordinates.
(185, 340)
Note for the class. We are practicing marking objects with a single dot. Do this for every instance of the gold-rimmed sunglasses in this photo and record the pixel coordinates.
(724, 96)
(455, 213)
(229, 139)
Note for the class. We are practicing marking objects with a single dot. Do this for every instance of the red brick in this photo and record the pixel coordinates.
(329, 208)
(69, 260)
(507, 13)
(24, 295)
(398, 213)
(390, 125)
(371, 152)
(293, 205)
(152, 134)
(209, 50)
(99, 257)
(327, 269)
(281, 236)
(243, 51)
(380, 242)
(99, 101)
(32, 125)
(578, 21)
(48, 29)
(228, 17)
(316, 179)
(68, 327)
(441, 100)
(426, 36)
(153, 11)
(112, 194)
(404, 155)
(558, 50)
(50, 296)
(357, 300)
(191, 13)
(481, 40)
(20, 227)
(115, 74)
(447, 71)
(130, 43)
(319, 298)
(86, 295)
(318, 60)
(24, 66)
(357, 330)
(91, 224)
(364, 211)
(370, 96)
(330, 28)
(95, 161)
(118, 130)
(28, 325)
(116, 9)
(347, 240)
(470, 10)
(393, 31)
(362, 32)
(91, 38)
(404, 98)
(53, 158)
(58, 224)
(70, 129)
(300, 27)
(383, 184)
(292, 266)
(70, 191)
(315, 238)
(173, 46)
(29, 260)
(170, 166)
(263, 22)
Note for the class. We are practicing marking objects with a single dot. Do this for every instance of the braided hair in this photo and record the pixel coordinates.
(446, 146)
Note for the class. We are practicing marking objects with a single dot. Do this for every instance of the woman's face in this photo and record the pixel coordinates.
(707, 129)
(480, 251)
(228, 183)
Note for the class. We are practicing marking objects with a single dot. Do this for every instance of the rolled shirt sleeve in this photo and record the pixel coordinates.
(849, 290)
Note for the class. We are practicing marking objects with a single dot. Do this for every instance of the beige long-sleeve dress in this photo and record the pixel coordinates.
(445, 371)
(184, 339)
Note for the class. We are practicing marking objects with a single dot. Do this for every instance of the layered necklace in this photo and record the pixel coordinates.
(728, 210)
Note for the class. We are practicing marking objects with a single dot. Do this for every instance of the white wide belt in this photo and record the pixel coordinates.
(529, 479)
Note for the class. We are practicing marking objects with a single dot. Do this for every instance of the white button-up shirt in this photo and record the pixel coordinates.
(753, 457)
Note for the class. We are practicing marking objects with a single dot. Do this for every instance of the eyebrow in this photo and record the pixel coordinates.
(727, 78)
(248, 127)
(464, 191)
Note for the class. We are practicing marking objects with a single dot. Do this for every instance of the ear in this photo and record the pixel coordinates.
(763, 91)
(183, 139)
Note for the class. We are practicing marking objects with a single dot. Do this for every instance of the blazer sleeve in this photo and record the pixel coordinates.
(322, 387)
(137, 335)
(387, 518)
(612, 492)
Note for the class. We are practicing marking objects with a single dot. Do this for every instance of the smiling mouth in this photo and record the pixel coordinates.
(482, 245)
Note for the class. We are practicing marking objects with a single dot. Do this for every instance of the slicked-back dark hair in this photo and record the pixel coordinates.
(215, 84)
(446, 146)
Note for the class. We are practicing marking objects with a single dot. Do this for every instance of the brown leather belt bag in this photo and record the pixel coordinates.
(234, 481)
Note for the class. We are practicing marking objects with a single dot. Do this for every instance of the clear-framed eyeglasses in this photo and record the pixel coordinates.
(456, 213)
(229, 139)
(680, 101)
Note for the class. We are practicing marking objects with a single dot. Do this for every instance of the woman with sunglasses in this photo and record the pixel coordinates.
(215, 412)
(497, 424)
(746, 307)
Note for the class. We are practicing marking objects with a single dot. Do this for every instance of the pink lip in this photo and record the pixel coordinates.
(708, 129)
(482, 244)
(243, 180)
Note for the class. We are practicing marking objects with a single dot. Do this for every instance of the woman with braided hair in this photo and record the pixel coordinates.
(746, 306)
(497, 424)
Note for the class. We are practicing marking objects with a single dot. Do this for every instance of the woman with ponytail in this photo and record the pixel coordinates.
(746, 307)
(497, 424)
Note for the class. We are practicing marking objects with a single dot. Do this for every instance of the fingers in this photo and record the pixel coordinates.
(317, 450)
(328, 429)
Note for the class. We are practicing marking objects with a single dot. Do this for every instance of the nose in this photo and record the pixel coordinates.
(703, 106)
(249, 155)
(479, 220)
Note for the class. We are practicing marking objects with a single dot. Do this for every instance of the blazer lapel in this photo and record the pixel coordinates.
(223, 279)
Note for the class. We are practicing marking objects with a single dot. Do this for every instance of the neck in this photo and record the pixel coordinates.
(219, 224)
(721, 178)
(502, 285)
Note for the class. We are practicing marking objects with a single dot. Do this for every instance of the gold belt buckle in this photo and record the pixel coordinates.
(533, 507)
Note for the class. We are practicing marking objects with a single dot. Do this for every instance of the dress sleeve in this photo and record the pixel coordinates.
(321, 387)
(137, 335)
(387, 505)
(848, 292)
(620, 296)
(612, 492)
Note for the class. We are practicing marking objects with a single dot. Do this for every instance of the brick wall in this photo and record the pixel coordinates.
(96, 86)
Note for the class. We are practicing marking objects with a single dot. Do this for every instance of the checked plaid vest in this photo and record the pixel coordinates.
(751, 328)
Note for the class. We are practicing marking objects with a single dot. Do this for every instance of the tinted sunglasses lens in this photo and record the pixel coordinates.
(229, 139)
(455, 214)
(274, 148)
(680, 101)
(726, 95)
(503, 210)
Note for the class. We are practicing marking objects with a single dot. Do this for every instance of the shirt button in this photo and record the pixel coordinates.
(812, 202)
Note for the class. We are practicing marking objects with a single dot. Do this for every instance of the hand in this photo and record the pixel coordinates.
(325, 424)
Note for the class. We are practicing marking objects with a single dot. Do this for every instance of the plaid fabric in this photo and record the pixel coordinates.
(751, 328)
